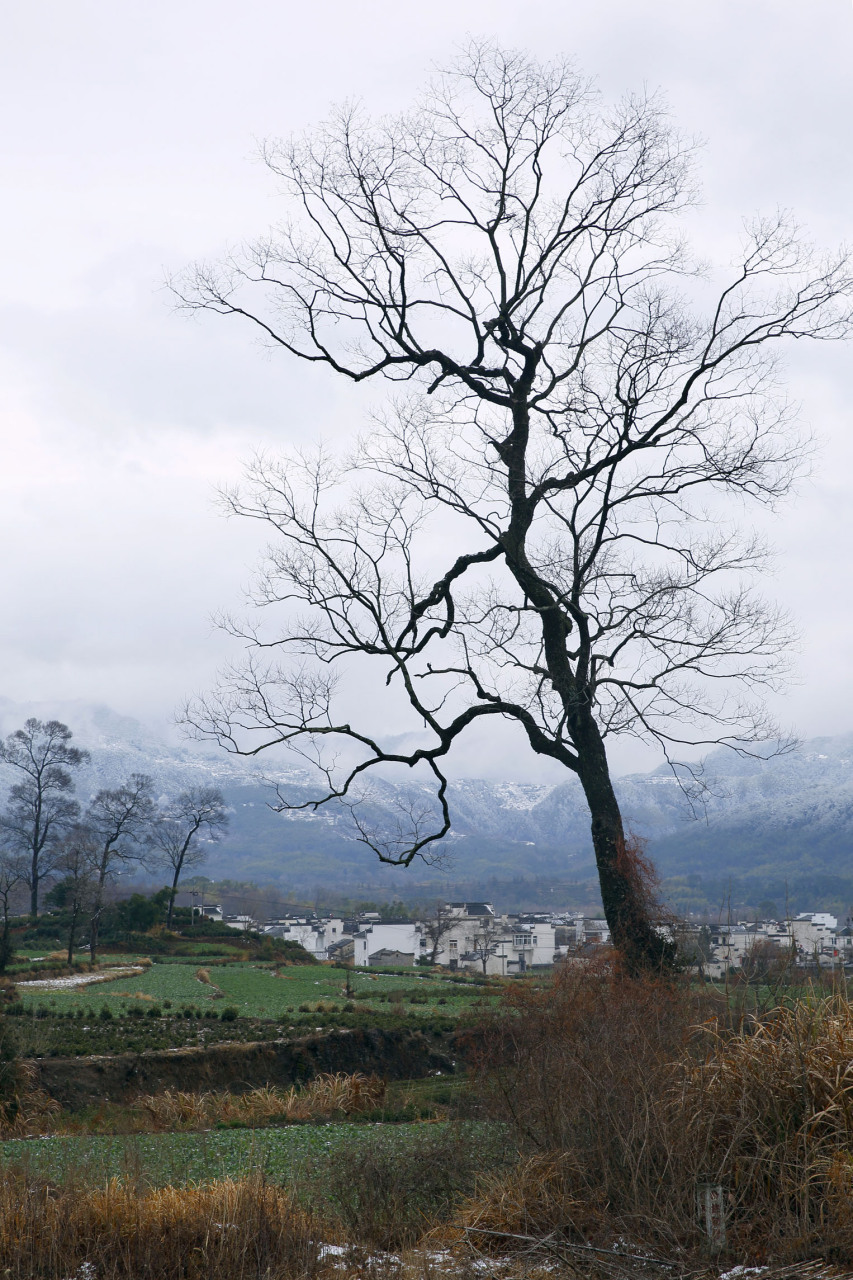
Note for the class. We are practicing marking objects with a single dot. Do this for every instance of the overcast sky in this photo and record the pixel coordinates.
(127, 150)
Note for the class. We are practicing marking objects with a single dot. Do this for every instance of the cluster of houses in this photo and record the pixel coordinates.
(808, 939)
(458, 935)
(472, 935)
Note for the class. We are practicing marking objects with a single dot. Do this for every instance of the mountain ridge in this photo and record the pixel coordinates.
(764, 822)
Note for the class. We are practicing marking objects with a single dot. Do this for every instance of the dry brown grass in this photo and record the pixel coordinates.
(25, 1109)
(327, 1095)
(224, 1231)
(526, 1202)
(625, 1094)
(770, 1111)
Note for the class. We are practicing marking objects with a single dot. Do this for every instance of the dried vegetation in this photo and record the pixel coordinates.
(224, 1231)
(324, 1097)
(628, 1094)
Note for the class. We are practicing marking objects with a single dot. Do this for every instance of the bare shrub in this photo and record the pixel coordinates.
(770, 1113)
(25, 1108)
(380, 1195)
(582, 1069)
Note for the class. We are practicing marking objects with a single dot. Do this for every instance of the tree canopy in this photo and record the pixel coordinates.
(539, 526)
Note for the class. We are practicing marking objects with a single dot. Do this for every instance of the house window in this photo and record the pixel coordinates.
(520, 940)
(454, 947)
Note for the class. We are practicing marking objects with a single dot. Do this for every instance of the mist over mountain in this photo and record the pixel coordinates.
(775, 829)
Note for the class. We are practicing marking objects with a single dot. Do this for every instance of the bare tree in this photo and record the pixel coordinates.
(197, 814)
(120, 821)
(437, 924)
(76, 891)
(542, 530)
(40, 809)
(11, 877)
(486, 935)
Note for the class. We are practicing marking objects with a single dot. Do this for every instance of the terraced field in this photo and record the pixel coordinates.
(260, 991)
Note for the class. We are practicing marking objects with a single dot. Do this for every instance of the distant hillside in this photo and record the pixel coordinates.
(770, 828)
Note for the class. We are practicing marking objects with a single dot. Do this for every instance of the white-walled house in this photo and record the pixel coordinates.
(477, 938)
(520, 947)
(241, 921)
(813, 932)
(401, 940)
(810, 936)
(464, 926)
(315, 935)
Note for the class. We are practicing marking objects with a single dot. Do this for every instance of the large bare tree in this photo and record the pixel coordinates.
(540, 528)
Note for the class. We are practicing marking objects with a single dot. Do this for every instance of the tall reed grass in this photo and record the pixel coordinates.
(229, 1230)
(627, 1094)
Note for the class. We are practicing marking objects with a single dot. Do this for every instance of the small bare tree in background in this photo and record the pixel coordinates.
(76, 891)
(437, 924)
(541, 529)
(41, 808)
(120, 821)
(196, 815)
(485, 937)
(11, 879)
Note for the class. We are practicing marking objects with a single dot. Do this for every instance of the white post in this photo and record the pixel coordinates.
(711, 1207)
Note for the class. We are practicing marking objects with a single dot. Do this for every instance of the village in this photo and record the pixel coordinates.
(474, 936)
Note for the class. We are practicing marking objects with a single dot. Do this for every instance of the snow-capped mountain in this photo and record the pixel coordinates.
(777, 818)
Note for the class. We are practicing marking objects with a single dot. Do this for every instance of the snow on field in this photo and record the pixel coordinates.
(80, 979)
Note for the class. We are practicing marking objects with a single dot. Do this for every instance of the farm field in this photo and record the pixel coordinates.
(261, 991)
(177, 1159)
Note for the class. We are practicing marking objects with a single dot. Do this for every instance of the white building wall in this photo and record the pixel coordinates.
(382, 937)
(314, 935)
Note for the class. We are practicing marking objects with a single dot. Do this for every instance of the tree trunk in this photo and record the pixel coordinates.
(625, 891)
(173, 894)
(5, 948)
(34, 888)
(75, 912)
(94, 924)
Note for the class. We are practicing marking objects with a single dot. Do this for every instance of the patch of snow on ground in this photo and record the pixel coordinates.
(79, 979)
(332, 1251)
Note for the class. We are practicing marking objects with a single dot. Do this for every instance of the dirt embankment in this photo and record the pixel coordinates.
(394, 1055)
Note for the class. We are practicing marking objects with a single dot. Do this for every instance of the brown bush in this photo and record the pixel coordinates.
(625, 1094)
(228, 1230)
(374, 1193)
(24, 1107)
(327, 1095)
(582, 1069)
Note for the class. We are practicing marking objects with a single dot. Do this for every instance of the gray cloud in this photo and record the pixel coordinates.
(128, 149)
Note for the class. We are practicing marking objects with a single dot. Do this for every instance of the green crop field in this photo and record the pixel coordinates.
(180, 1158)
(259, 991)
